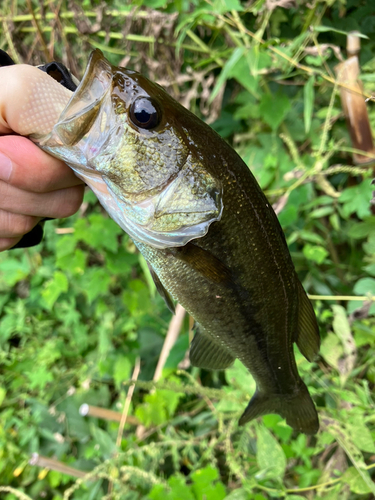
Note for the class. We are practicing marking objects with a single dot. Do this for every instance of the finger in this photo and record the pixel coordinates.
(31, 101)
(15, 225)
(27, 167)
(56, 204)
(7, 243)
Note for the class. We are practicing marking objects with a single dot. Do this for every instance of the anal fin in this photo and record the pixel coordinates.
(307, 335)
(205, 353)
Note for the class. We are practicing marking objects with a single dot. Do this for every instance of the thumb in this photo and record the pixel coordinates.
(30, 100)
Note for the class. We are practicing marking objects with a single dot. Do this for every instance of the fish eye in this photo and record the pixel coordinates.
(145, 113)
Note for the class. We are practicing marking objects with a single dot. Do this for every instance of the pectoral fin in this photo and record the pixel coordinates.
(163, 292)
(204, 353)
(204, 262)
(307, 335)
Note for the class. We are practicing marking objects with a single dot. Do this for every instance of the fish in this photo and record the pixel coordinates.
(211, 238)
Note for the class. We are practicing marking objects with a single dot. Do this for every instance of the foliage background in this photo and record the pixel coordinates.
(78, 310)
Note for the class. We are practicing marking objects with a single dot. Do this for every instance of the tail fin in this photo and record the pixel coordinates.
(298, 409)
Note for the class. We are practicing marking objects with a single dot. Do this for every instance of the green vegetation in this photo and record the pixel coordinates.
(77, 311)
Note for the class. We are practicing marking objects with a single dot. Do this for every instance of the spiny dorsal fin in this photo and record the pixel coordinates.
(307, 335)
(204, 353)
(163, 292)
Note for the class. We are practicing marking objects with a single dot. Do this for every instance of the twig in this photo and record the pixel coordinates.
(16, 493)
(125, 411)
(21, 18)
(64, 230)
(11, 47)
(86, 410)
(56, 465)
(38, 30)
(170, 339)
(341, 297)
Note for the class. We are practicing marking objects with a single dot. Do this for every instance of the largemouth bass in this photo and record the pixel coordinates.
(198, 216)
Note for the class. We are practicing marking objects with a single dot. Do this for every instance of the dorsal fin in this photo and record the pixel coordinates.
(307, 334)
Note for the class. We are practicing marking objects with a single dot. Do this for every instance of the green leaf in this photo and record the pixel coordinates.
(288, 216)
(222, 6)
(308, 97)
(355, 481)
(179, 490)
(331, 349)
(68, 257)
(170, 400)
(2, 395)
(362, 229)
(361, 435)
(315, 253)
(54, 478)
(239, 376)
(121, 262)
(54, 288)
(237, 54)
(39, 377)
(158, 407)
(270, 456)
(321, 212)
(274, 108)
(365, 286)
(344, 438)
(137, 297)
(369, 245)
(204, 485)
(178, 351)
(241, 494)
(311, 237)
(103, 441)
(121, 371)
(324, 29)
(356, 199)
(13, 270)
(241, 71)
(98, 231)
(370, 269)
(147, 274)
(341, 327)
(155, 4)
(95, 282)
(152, 411)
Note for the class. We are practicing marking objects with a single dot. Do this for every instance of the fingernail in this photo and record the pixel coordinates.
(6, 167)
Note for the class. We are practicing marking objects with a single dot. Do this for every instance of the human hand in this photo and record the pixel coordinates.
(33, 184)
